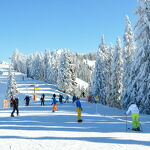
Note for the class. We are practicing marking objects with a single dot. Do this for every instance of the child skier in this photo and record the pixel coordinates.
(54, 103)
(78, 109)
(135, 116)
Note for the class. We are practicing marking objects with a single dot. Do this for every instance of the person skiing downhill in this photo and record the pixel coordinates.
(54, 108)
(15, 103)
(135, 116)
(78, 109)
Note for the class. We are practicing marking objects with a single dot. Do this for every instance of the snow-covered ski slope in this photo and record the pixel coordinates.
(37, 128)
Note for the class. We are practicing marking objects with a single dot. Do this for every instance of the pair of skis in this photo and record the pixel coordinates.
(135, 130)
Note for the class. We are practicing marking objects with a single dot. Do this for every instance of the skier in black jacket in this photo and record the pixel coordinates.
(27, 99)
(15, 103)
(42, 99)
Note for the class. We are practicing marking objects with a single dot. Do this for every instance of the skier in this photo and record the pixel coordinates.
(54, 103)
(135, 116)
(42, 99)
(15, 103)
(78, 109)
(83, 94)
(61, 98)
(27, 99)
(89, 99)
(67, 99)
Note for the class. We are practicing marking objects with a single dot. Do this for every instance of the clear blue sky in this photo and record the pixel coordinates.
(34, 25)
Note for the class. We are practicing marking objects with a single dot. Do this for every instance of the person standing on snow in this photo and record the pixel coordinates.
(78, 109)
(61, 98)
(97, 99)
(15, 103)
(54, 108)
(42, 99)
(27, 99)
(135, 116)
(67, 99)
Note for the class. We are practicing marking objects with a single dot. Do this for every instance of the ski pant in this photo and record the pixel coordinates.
(79, 113)
(55, 107)
(135, 120)
(27, 102)
(15, 108)
(42, 102)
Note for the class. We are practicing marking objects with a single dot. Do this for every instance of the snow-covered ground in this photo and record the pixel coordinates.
(81, 83)
(37, 128)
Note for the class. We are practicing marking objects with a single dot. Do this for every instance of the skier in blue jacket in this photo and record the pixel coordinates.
(78, 109)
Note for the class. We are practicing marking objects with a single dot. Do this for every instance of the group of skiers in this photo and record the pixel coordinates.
(74, 99)
(14, 102)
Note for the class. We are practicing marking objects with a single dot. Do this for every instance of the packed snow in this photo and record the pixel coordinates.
(38, 127)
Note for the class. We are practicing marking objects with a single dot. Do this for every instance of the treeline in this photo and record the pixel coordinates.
(60, 67)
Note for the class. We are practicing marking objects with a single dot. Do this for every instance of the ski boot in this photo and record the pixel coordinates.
(80, 120)
(138, 129)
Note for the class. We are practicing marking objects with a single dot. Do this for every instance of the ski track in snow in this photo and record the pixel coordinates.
(38, 128)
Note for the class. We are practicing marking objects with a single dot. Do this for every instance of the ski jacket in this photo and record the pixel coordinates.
(61, 97)
(97, 98)
(15, 102)
(27, 98)
(54, 100)
(78, 104)
(133, 109)
(74, 98)
(43, 96)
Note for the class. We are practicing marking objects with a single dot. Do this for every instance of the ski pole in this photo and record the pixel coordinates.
(126, 122)
(140, 125)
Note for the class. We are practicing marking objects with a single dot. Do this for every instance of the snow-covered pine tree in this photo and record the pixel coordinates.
(38, 67)
(128, 53)
(29, 65)
(14, 59)
(53, 71)
(116, 77)
(11, 85)
(66, 76)
(47, 64)
(99, 80)
(109, 82)
(19, 61)
(139, 87)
